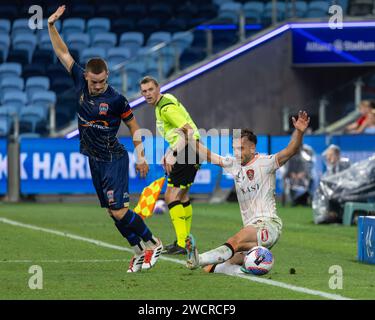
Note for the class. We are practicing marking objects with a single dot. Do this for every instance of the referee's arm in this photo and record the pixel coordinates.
(58, 44)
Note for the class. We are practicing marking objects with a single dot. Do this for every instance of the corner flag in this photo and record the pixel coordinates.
(147, 200)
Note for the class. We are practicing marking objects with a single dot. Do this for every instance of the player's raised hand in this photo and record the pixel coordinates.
(302, 122)
(142, 168)
(56, 16)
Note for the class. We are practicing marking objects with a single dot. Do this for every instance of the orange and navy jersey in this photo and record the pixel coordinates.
(99, 118)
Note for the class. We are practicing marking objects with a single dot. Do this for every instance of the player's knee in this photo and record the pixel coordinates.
(234, 242)
(209, 268)
(119, 214)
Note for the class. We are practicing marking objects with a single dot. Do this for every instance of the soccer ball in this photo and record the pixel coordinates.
(258, 261)
(160, 207)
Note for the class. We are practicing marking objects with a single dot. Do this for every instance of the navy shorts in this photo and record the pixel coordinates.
(111, 182)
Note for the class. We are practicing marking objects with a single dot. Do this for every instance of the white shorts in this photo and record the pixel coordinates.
(269, 231)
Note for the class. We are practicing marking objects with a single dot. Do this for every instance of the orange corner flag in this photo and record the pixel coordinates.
(147, 200)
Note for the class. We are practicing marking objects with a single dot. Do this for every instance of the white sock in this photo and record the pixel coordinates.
(139, 248)
(152, 244)
(215, 256)
(227, 268)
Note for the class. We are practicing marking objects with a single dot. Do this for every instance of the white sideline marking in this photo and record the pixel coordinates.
(66, 261)
(115, 247)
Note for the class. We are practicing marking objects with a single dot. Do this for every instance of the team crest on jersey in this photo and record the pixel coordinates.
(250, 174)
(110, 196)
(103, 109)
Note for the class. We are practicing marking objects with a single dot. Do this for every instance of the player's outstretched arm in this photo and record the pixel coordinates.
(300, 125)
(206, 154)
(58, 44)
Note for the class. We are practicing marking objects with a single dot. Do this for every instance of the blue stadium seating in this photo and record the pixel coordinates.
(132, 40)
(43, 98)
(45, 42)
(84, 11)
(229, 12)
(300, 9)
(158, 37)
(267, 13)
(9, 84)
(19, 56)
(4, 26)
(92, 52)
(108, 11)
(10, 69)
(253, 11)
(4, 124)
(98, 25)
(78, 41)
(9, 11)
(30, 116)
(18, 98)
(148, 26)
(317, 9)
(160, 11)
(73, 25)
(135, 10)
(20, 26)
(181, 40)
(33, 70)
(190, 56)
(34, 84)
(117, 55)
(43, 56)
(175, 25)
(105, 40)
(4, 45)
(61, 84)
(120, 26)
(25, 41)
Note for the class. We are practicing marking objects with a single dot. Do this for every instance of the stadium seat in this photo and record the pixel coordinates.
(220, 2)
(118, 55)
(175, 25)
(9, 110)
(45, 42)
(18, 56)
(187, 11)
(182, 40)
(267, 12)
(33, 70)
(120, 26)
(300, 9)
(222, 39)
(4, 45)
(104, 40)
(229, 12)
(134, 72)
(43, 98)
(43, 56)
(98, 25)
(78, 41)
(4, 125)
(34, 84)
(84, 11)
(21, 26)
(207, 11)
(317, 9)
(191, 56)
(158, 37)
(61, 84)
(73, 25)
(148, 56)
(92, 52)
(17, 98)
(4, 26)
(9, 11)
(135, 10)
(56, 70)
(253, 11)
(108, 11)
(30, 116)
(9, 84)
(160, 11)
(10, 69)
(25, 41)
(148, 26)
(132, 40)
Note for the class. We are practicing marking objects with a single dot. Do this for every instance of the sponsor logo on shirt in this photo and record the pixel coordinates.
(250, 174)
(103, 109)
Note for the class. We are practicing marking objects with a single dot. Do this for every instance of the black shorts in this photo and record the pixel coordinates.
(185, 169)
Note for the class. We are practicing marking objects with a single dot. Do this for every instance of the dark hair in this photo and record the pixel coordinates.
(249, 135)
(96, 65)
(148, 79)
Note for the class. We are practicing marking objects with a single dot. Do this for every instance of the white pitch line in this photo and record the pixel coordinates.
(65, 261)
(115, 247)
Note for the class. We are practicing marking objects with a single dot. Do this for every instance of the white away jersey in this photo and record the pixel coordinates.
(255, 186)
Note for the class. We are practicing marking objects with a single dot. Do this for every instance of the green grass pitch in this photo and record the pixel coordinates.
(74, 269)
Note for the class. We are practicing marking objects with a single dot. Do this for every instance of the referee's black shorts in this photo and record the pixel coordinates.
(185, 169)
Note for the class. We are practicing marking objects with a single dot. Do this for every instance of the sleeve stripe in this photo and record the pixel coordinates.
(126, 114)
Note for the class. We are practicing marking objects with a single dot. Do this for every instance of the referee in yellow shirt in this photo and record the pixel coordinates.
(180, 161)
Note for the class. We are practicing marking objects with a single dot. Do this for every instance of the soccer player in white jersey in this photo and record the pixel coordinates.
(254, 177)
